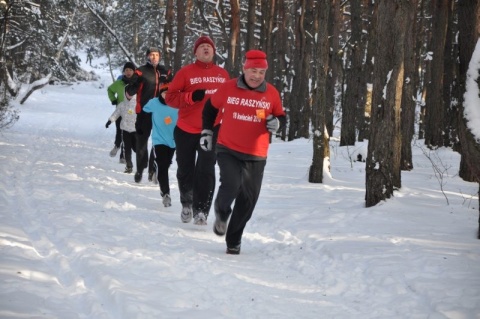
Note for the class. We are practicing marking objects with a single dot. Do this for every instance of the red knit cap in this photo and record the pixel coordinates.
(201, 40)
(255, 59)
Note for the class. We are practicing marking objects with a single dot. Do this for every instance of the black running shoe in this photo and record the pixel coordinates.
(128, 170)
(138, 177)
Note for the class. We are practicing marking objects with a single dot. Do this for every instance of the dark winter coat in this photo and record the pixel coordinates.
(147, 82)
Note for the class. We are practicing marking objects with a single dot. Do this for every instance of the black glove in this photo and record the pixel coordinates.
(108, 123)
(198, 95)
(114, 102)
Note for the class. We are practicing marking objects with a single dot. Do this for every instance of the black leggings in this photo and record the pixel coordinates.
(163, 159)
(118, 136)
(129, 142)
(144, 121)
(195, 172)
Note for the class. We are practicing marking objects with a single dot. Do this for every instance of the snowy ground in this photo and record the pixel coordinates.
(79, 239)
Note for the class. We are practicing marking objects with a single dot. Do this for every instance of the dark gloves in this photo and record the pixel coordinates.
(114, 102)
(198, 95)
(272, 124)
(206, 140)
(108, 123)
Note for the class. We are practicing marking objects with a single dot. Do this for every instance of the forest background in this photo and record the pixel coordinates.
(331, 60)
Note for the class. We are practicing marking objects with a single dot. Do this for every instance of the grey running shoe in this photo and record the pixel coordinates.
(200, 219)
(219, 227)
(167, 201)
(114, 151)
(152, 177)
(186, 215)
(233, 250)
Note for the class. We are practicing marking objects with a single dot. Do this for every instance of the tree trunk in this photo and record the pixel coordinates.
(435, 106)
(252, 19)
(383, 164)
(299, 98)
(364, 132)
(333, 63)
(408, 95)
(234, 59)
(467, 11)
(136, 29)
(180, 38)
(268, 8)
(450, 80)
(167, 41)
(423, 62)
(353, 98)
(469, 14)
(320, 134)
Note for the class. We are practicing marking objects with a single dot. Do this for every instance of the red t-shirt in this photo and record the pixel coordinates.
(195, 76)
(243, 127)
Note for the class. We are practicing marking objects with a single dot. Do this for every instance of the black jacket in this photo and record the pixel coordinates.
(147, 82)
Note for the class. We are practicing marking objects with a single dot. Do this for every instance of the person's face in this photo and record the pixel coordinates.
(204, 53)
(254, 77)
(128, 73)
(154, 58)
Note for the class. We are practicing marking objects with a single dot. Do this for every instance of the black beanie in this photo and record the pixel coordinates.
(129, 65)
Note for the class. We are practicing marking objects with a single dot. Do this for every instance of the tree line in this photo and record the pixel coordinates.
(389, 71)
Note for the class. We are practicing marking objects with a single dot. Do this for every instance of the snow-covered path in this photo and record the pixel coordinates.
(79, 239)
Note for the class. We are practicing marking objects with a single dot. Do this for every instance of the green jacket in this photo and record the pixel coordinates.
(116, 91)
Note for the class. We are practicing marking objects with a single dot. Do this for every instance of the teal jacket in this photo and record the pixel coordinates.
(164, 119)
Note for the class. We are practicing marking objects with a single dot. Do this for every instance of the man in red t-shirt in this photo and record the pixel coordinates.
(251, 110)
(192, 86)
